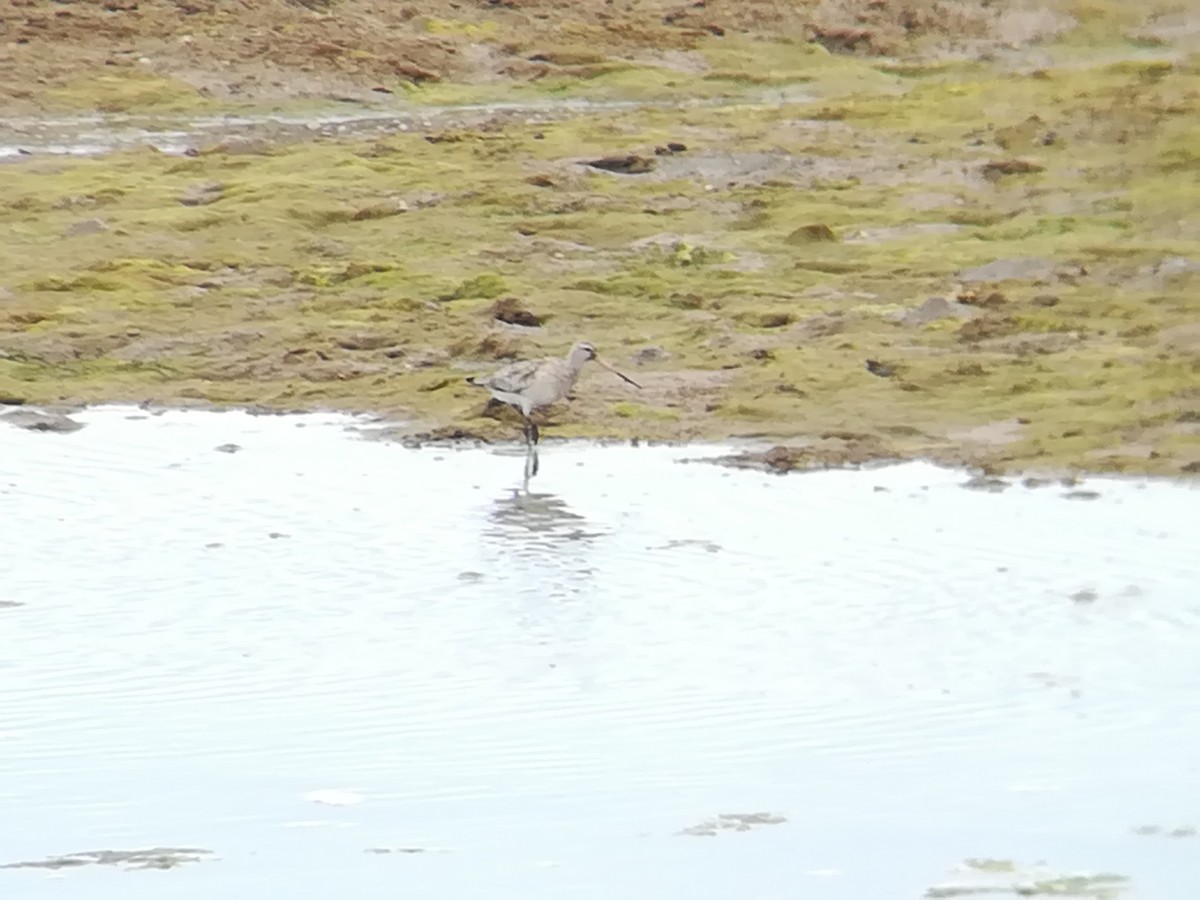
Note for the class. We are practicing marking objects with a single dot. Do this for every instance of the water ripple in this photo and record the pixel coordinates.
(632, 644)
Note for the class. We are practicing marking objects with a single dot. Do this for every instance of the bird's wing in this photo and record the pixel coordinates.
(514, 378)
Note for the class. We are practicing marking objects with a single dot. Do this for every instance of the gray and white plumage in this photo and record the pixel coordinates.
(533, 384)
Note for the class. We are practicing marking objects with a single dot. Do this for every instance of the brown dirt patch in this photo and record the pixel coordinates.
(285, 48)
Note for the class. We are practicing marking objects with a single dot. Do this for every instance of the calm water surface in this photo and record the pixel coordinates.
(540, 692)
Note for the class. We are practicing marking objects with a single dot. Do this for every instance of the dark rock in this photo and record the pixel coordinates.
(510, 311)
(631, 164)
(812, 234)
(991, 300)
(767, 319)
(228, 448)
(998, 168)
(882, 369)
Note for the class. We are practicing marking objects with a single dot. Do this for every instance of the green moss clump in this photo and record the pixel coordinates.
(487, 286)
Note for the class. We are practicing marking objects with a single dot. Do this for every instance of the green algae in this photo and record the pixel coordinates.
(406, 240)
(125, 92)
(1002, 877)
(640, 411)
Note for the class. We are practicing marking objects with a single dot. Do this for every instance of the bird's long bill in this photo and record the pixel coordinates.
(620, 375)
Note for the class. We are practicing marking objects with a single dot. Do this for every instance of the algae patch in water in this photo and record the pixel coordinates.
(1002, 877)
(152, 858)
(726, 822)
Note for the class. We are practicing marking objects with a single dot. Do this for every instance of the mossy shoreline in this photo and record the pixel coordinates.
(764, 265)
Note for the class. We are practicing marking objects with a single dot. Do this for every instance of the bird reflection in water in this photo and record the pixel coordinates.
(525, 515)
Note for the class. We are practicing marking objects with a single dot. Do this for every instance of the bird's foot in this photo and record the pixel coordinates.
(531, 464)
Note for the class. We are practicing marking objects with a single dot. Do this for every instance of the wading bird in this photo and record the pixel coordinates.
(533, 384)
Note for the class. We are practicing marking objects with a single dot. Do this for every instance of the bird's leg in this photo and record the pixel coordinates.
(532, 435)
(529, 465)
(530, 430)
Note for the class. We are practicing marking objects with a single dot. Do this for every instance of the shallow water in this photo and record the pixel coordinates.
(540, 692)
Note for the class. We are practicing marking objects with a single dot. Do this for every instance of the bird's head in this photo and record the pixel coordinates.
(585, 352)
